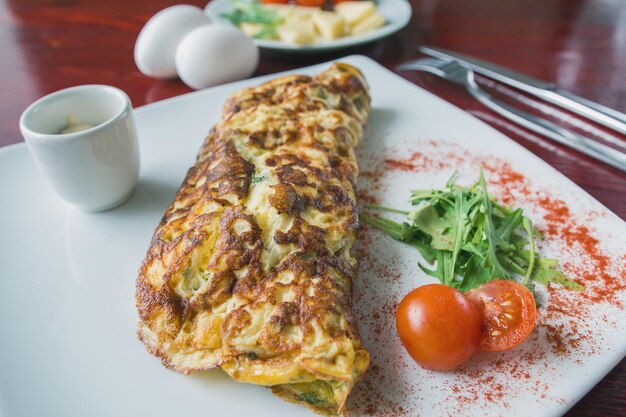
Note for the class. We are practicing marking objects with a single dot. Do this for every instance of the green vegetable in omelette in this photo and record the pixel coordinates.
(257, 178)
(471, 239)
(311, 398)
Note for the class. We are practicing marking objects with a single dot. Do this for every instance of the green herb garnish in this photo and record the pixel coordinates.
(251, 11)
(257, 179)
(470, 238)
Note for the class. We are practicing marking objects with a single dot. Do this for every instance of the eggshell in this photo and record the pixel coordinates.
(215, 54)
(155, 49)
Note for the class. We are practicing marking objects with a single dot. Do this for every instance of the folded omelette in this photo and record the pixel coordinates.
(251, 267)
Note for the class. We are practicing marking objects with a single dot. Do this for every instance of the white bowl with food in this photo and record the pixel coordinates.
(294, 28)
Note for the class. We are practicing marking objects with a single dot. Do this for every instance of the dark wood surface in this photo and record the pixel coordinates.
(46, 45)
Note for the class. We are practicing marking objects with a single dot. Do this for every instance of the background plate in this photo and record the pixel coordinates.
(67, 315)
(397, 14)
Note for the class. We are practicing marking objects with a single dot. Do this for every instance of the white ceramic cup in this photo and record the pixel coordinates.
(95, 169)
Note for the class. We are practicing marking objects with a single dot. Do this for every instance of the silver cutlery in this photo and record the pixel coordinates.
(455, 72)
(598, 113)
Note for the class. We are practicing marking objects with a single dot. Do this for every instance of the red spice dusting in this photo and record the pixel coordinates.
(418, 161)
(563, 226)
(567, 326)
(558, 343)
(366, 197)
(403, 165)
(556, 213)
(509, 181)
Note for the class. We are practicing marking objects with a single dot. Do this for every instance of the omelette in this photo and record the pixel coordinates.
(251, 267)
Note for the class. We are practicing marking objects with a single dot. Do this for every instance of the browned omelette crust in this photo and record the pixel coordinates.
(251, 268)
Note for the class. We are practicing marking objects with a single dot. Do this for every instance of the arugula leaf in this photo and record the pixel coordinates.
(439, 228)
(439, 271)
(546, 271)
(531, 244)
(389, 209)
(470, 239)
(459, 231)
(493, 240)
(254, 12)
(474, 274)
(405, 233)
(268, 31)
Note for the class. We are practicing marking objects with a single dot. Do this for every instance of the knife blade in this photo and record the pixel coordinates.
(545, 90)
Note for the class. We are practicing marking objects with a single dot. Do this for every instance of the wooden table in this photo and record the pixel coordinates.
(46, 45)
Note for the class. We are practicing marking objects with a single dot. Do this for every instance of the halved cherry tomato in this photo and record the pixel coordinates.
(311, 3)
(438, 326)
(508, 312)
(274, 1)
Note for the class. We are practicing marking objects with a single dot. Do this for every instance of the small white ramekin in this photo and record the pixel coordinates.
(95, 169)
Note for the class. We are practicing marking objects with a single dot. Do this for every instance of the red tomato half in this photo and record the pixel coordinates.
(508, 311)
(274, 1)
(438, 326)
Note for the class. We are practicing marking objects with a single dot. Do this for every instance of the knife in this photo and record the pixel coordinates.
(547, 91)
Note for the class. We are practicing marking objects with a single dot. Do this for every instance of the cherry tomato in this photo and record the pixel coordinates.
(274, 1)
(311, 3)
(438, 326)
(508, 312)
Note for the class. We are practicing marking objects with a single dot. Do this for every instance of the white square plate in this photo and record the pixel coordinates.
(67, 315)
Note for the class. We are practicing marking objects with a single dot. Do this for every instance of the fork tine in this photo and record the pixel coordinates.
(450, 70)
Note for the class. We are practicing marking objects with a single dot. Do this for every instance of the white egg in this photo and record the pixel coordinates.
(155, 49)
(215, 54)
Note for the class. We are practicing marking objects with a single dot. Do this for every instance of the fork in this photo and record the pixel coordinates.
(457, 73)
